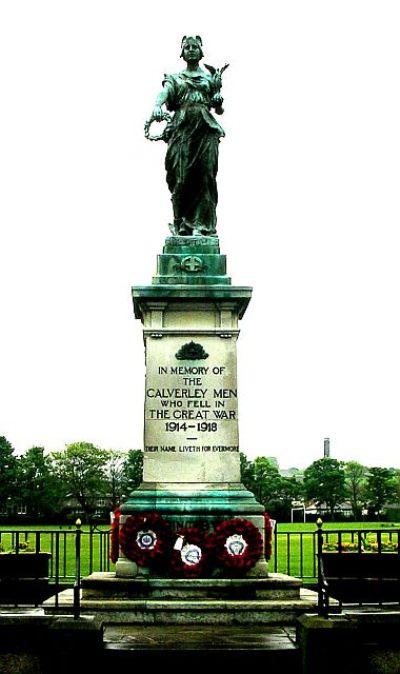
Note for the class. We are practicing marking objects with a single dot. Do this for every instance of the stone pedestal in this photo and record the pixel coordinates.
(190, 315)
(276, 600)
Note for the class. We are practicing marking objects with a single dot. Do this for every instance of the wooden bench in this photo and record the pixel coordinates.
(360, 577)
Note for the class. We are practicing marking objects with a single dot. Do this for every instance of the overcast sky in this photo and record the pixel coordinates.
(308, 215)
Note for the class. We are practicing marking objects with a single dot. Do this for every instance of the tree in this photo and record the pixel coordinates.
(81, 469)
(8, 474)
(133, 471)
(274, 461)
(397, 483)
(247, 472)
(39, 488)
(115, 472)
(324, 481)
(265, 476)
(274, 491)
(381, 488)
(280, 494)
(355, 479)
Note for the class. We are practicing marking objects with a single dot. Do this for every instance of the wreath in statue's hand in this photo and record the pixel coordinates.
(165, 117)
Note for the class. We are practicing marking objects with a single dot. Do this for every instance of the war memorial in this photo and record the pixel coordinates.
(191, 585)
(189, 545)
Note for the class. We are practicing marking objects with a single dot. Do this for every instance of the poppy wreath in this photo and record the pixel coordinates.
(268, 536)
(114, 551)
(237, 545)
(190, 557)
(145, 539)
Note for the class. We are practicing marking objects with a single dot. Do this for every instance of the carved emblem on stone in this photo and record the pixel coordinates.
(191, 351)
(192, 264)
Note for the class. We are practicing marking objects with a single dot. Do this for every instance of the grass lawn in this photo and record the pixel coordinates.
(294, 547)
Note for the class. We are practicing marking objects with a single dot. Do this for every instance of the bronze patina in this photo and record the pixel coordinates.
(193, 136)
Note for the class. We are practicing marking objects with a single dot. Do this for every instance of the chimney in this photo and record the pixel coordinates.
(327, 448)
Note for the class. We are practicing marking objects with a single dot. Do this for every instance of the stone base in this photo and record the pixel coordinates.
(184, 507)
(191, 260)
(109, 586)
(277, 600)
(191, 502)
(127, 569)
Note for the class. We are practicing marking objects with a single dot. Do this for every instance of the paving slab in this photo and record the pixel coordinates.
(189, 637)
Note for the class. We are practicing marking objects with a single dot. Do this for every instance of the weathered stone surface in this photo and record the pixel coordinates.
(190, 315)
(186, 503)
(193, 611)
(107, 585)
(191, 260)
(191, 395)
(191, 411)
(40, 644)
(357, 642)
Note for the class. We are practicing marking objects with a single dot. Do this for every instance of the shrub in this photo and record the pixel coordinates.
(369, 545)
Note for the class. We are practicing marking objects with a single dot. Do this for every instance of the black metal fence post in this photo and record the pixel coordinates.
(323, 606)
(77, 583)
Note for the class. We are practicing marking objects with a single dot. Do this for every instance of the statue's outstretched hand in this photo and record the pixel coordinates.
(217, 100)
(157, 113)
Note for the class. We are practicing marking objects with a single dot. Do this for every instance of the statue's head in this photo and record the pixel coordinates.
(192, 40)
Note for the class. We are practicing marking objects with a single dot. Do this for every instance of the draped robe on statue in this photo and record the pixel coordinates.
(192, 157)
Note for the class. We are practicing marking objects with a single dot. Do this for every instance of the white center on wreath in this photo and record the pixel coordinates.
(146, 540)
(235, 544)
(191, 554)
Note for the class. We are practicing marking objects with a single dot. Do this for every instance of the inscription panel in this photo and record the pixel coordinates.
(191, 410)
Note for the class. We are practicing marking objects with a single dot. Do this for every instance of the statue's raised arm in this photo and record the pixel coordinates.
(193, 136)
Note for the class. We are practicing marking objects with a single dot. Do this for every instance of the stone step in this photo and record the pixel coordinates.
(190, 611)
(103, 585)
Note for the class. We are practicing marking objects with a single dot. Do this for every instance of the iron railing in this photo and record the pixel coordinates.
(74, 553)
(294, 553)
(359, 566)
(77, 552)
(60, 543)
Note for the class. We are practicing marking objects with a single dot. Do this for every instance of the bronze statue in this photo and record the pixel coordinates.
(193, 137)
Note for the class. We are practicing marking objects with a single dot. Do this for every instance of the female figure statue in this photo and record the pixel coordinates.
(193, 137)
